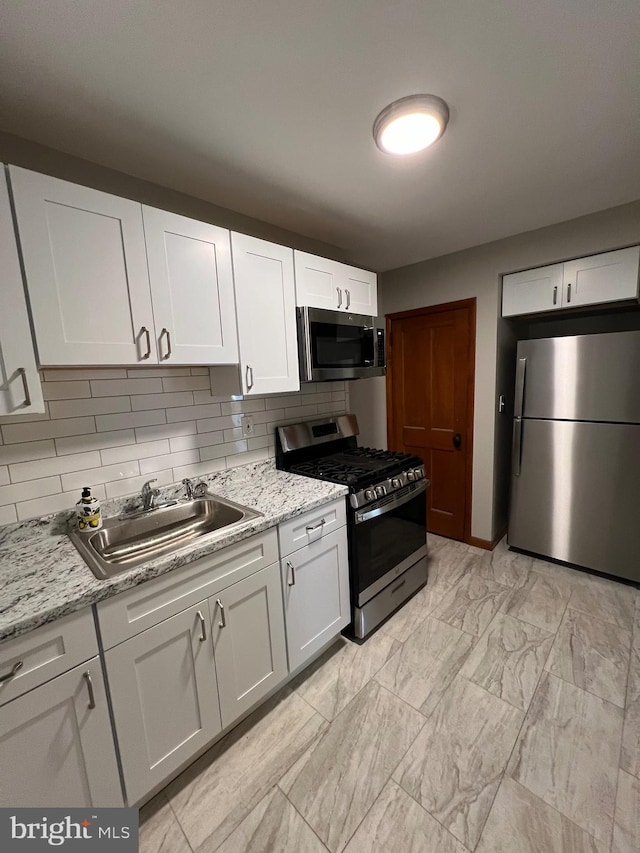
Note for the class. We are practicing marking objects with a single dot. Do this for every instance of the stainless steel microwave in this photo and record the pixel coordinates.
(338, 345)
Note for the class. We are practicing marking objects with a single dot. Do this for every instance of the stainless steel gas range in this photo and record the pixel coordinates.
(386, 517)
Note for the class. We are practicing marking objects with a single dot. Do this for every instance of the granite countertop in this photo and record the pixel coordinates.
(43, 577)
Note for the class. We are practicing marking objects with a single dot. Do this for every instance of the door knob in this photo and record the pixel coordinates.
(457, 441)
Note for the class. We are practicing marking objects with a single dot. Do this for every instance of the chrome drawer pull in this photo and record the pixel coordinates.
(168, 334)
(569, 293)
(339, 289)
(321, 523)
(348, 292)
(249, 377)
(92, 699)
(145, 331)
(25, 387)
(14, 669)
(223, 620)
(292, 582)
(203, 627)
(555, 295)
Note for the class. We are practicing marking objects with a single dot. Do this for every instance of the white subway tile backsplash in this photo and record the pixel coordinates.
(56, 465)
(115, 428)
(94, 441)
(152, 433)
(31, 489)
(132, 419)
(153, 401)
(26, 451)
(91, 406)
(134, 451)
(65, 390)
(185, 383)
(169, 460)
(116, 387)
(14, 433)
(102, 474)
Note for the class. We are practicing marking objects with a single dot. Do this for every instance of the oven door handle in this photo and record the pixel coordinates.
(381, 510)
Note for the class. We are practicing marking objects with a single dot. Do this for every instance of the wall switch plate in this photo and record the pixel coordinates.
(247, 426)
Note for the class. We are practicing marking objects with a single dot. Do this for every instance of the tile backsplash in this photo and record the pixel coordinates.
(114, 428)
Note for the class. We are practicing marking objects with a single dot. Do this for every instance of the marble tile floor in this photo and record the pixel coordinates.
(498, 712)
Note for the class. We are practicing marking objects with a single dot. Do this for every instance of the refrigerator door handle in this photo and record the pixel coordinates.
(520, 374)
(516, 458)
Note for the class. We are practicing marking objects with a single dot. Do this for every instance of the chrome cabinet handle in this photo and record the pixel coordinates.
(168, 334)
(203, 627)
(223, 620)
(14, 669)
(292, 582)
(249, 374)
(145, 331)
(25, 387)
(310, 529)
(92, 699)
(568, 293)
(555, 295)
(348, 292)
(339, 289)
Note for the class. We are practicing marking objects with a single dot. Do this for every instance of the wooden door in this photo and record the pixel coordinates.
(247, 626)
(191, 288)
(86, 269)
(266, 305)
(56, 744)
(430, 375)
(165, 698)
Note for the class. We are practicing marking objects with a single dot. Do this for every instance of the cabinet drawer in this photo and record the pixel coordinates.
(131, 612)
(46, 652)
(304, 529)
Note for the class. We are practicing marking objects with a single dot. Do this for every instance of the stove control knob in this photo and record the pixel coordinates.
(396, 483)
(369, 495)
(419, 472)
(411, 476)
(381, 491)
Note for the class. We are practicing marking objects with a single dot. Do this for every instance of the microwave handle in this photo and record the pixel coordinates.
(304, 346)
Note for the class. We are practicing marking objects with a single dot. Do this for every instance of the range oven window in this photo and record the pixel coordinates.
(381, 543)
(335, 345)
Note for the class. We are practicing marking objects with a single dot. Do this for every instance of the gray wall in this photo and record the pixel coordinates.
(476, 272)
(31, 155)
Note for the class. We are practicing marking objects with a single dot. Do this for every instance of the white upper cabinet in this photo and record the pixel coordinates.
(20, 389)
(86, 271)
(322, 283)
(532, 290)
(266, 311)
(607, 277)
(191, 289)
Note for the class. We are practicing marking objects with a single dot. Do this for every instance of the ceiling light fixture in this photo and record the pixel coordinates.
(410, 124)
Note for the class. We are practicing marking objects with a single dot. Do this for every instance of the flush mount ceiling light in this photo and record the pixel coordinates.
(410, 124)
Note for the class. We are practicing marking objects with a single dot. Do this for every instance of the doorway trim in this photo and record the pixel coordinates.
(470, 305)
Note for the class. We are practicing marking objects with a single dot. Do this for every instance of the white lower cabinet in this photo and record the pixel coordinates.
(165, 702)
(57, 746)
(315, 581)
(249, 644)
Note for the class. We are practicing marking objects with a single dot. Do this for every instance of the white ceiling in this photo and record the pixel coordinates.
(266, 107)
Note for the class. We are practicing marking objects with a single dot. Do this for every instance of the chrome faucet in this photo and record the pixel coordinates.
(149, 495)
(194, 490)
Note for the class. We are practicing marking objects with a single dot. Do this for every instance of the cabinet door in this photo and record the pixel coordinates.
(248, 640)
(165, 703)
(191, 289)
(532, 290)
(20, 388)
(315, 581)
(266, 306)
(323, 283)
(57, 746)
(86, 270)
(608, 277)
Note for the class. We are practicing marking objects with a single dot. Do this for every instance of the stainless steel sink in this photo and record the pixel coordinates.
(127, 541)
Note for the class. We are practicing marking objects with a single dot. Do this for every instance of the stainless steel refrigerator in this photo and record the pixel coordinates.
(575, 481)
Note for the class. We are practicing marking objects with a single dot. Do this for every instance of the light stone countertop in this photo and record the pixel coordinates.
(43, 577)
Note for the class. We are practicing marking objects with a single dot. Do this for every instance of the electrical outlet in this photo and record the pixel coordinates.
(247, 426)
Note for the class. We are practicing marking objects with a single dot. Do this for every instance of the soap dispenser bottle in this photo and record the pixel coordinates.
(88, 514)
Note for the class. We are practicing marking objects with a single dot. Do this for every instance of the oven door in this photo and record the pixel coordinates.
(387, 538)
(338, 345)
